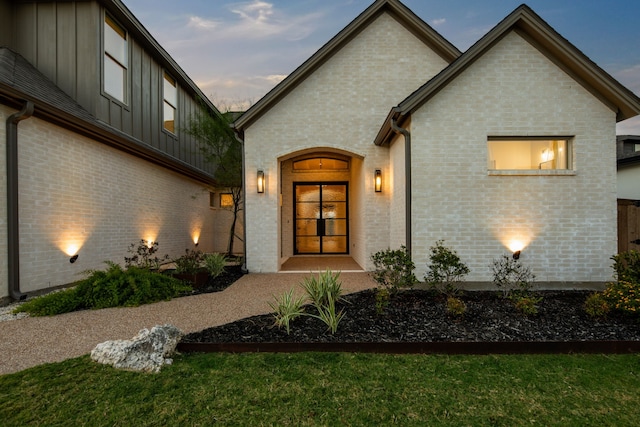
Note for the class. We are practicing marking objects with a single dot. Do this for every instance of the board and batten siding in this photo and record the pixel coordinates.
(63, 40)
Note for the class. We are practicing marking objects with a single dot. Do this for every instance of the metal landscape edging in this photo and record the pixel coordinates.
(445, 347)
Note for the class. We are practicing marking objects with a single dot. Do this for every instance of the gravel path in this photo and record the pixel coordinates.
(32, 341)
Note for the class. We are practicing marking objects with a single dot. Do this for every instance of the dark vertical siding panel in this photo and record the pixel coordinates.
(26, 17)
(89, 55)
(136, 91)
(46, 40)
(153, 89)
(6, 24)
(66, 48)
(145, 81)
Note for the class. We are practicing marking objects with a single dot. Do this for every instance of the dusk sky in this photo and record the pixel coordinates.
(236, 51)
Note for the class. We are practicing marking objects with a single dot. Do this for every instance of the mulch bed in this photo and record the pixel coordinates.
(419, 316)
(227, 278)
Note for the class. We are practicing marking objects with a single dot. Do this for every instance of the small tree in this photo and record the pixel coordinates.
(223, 151)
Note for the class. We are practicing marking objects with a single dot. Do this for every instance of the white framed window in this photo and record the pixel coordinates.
(170, 104)
(116, 60)
(529, 154)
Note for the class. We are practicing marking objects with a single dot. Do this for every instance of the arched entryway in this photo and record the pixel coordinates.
(316, 212)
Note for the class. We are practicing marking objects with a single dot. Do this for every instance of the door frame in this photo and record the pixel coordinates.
(295, 233)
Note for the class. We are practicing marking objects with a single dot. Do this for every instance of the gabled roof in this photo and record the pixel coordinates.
(532, 27)
(20, 81)
(395, 8)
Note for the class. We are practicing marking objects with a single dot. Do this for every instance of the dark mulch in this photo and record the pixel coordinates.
(227, 278)
(420, 316)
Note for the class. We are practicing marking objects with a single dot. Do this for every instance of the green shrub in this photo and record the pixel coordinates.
(189, 263)
(394, 269)
(446, 269)
(510, 275)
(626, 266)
(382, 300)
(286, 309)
(596, 305)
(144, 255)
(113, 287)
(623, 296)
(214, 264)
(456, 307)
(526, 304)
(51, 304)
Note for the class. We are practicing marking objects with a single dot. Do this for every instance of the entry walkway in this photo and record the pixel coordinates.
(33, 341)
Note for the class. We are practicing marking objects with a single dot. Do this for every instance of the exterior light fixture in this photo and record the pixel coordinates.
(516, 255)
(260, 181)
(378, 181)
(73, 258)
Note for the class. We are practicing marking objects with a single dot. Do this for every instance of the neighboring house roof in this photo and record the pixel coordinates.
(20, 81)
(625, 159)
(540, 34)
(395, 8)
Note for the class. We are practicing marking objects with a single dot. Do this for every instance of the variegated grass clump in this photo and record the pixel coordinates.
(323, 292)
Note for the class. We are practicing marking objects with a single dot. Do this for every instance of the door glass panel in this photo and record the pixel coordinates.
(334, 193)
(307, 193)
(336, 227)
(334, 244)
(308, 245)
(306, 227)
(334, 210)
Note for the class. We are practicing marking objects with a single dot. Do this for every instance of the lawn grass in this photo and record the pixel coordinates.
(312, 389)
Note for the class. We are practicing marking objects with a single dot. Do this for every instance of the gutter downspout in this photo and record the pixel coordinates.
(13, 222)
(407, 164)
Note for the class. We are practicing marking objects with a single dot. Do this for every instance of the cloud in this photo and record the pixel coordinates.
(256, 19)
(438, 21)
(200, 23)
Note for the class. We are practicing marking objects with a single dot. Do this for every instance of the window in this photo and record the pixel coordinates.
(116, 59)
(212, 199)
(320, 163)
(636, 148)
(170, 103)
(529, 154)
(226, 200)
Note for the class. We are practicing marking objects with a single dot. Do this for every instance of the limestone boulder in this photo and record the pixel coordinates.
(146, 352)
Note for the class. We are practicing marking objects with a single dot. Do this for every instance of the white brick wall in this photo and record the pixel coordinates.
(340, 106)
(568, 221)
(76, 191)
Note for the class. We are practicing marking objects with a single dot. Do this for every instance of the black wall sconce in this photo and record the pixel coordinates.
(378, 181)
(260, 181)
(73, 258)
(516, 255)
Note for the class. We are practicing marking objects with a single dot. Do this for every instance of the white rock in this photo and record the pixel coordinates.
(146, 352)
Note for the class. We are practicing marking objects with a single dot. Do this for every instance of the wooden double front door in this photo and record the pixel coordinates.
(321, 213)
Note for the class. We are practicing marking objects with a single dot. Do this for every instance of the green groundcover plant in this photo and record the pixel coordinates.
(113, 287)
